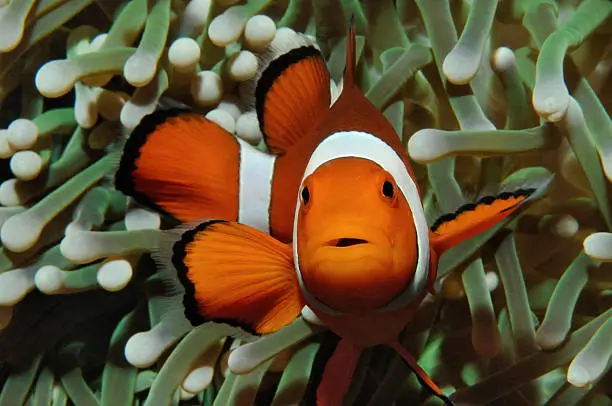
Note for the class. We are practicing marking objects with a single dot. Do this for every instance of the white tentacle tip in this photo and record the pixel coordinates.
(14, 285)
(551, 106)
(49, 280)
(243, 66)
(56, 78)
(140, 68)
(259, 31)
(26, 165)
(207, 88)
(143, 349)
(21, 232)
(239, 363)
(198, 379)
(6, 149)
(115, 275)
(426, 145)
(12, 33)
(184, 54)
(22, 134)
(578, 376)
(460, 66)
(223, 118)
(247, 128)
(503, 59)
(599, 246)
(226, 28)
(142, 219)
(548, 339)
(78, 247)
(9, 195)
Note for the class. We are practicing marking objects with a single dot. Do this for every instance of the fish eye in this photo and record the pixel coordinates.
(388, 190)
(305, 195)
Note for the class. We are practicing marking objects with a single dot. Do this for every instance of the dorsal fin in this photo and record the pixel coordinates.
(291, 90)
(351, 54)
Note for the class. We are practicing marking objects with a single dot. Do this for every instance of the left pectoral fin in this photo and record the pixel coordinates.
(474, 218)
(235, 274)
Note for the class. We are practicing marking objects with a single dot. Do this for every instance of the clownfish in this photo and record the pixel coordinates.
(331, 218)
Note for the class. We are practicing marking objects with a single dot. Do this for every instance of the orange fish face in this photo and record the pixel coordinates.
(355, 236)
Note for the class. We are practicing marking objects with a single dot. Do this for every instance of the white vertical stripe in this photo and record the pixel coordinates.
(346, 144)
(256, 171)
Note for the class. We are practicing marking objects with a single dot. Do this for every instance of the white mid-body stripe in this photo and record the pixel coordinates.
(358, 144)
(256, 172)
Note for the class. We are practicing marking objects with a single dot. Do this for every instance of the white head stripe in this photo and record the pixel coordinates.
(256, 171)
(358, 144)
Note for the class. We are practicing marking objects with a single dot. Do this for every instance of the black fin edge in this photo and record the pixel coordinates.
(486, 200)
(131, 152)
(273, 71)
(193, 312)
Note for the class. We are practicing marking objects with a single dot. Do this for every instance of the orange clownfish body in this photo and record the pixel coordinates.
(331, 220)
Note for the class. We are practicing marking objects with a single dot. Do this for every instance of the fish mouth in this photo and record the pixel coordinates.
(346, 242)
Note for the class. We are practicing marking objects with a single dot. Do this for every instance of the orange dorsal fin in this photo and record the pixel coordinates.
(182, 164)
(292, 90)
(474, 218)
(351, 54)
(235, 274)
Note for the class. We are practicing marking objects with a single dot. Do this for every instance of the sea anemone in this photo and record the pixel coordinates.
(483, 93)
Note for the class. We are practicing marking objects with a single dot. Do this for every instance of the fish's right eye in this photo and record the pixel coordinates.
(305, 195)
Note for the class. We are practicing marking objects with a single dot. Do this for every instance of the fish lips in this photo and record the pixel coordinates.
(351, 274)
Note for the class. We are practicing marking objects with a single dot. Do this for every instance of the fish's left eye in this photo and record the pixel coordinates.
(305, 195)
(388, 190)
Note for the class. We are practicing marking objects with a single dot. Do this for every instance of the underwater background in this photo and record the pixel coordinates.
(482, 93)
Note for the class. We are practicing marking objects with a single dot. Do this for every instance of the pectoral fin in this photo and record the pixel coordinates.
(235, 274)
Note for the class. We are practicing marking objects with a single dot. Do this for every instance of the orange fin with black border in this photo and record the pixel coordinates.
(182, 164)
(291, 91)
(237, 275)
(474, 218)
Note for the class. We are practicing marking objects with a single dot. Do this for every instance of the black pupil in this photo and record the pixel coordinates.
(387, 189)
(305, 195)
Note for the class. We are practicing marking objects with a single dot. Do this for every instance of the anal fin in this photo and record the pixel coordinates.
(338, 374)
(235, 274)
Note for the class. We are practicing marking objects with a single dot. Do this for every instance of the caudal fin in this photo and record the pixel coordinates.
(180, 163)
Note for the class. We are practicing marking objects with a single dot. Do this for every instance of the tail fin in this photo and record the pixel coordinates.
(180, 163)
(351, 54)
